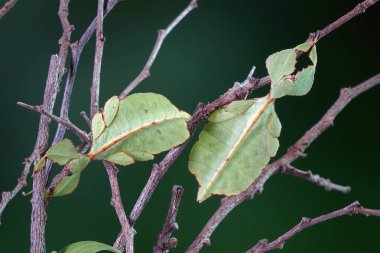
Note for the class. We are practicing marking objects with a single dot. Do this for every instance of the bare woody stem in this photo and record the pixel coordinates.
(294, 152)
(202, 111)
(7, 7)
(313, 178)
(98, 59)
(8, 196)
(66, 122)
(118, 205)
(354, 208)
(38, 217)
(162, 34)
(77, 49)
(165, 242)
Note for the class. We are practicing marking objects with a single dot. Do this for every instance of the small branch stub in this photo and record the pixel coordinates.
(165, 241)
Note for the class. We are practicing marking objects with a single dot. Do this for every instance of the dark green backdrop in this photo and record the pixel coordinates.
(214, 46)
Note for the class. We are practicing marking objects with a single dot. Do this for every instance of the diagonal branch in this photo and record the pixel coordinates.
(162, 34)
(6, 197)
(66, 122)
(354, 208)
(202, 111)
(77, 49)
(165, 241)
(118, 205)
(7, 7)
(294, 152)
(315, 179)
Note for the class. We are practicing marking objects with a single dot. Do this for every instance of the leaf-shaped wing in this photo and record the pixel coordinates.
(285, 80)
(88, 247)
(67, 185)
(62, 152)
(234, 147)
(136, 128)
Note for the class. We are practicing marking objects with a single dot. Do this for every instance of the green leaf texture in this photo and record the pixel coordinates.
(234, 147)
(88, 247)
(136, 128)
(285, 79)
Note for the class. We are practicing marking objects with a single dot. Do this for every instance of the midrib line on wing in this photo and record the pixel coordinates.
(237, 144)
(130, 132)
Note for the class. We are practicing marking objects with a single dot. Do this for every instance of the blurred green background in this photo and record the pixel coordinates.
(214, 46)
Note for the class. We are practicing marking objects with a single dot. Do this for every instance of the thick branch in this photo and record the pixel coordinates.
(354, 208)
(201, 112)
(118, 205)
(165, 241)
(315, 179)
(66, 122)
(98, 59)
(38, 217)
(294, 152)
(7, 7)
(162, 34)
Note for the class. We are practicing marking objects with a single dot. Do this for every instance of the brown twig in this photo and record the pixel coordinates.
(6, 197)
(202, 111)
(313, 178)
(98, 60)
(162, 34)
(165, 242)
(7, 7)
(66, 122)
(86, 118)
(38, 217)
(118, 205)
(294, 152)
(60, 65)
(77, 49)
(354, 208)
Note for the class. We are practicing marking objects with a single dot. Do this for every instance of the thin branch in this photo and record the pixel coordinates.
(77, 49)
(202, 111)
(165, 241)
(7, 7)
(86, 118)
(66, 122)
(294, 152)
(64, 41)
(354, 208)
(162, 34)
(98, 60)
(313, 178)
(64, 172)
(6, 197)
(38, 217)
(118, 205)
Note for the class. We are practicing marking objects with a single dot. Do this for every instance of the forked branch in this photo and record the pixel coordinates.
(202, 111)
(118, 205)
(354, 208)
(294, 152)
(66, 122)
(165, 241)
(162, 34)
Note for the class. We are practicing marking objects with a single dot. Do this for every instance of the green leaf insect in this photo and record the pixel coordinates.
(88, 247)
(240, 138)
(136, 128)
(285, 80)
(234, 146)
(132, 129)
